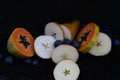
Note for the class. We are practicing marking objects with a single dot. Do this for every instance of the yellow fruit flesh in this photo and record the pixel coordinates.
(73, 28)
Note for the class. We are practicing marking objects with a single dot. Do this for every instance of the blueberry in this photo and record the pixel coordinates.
(57, 43)
(117, 42)
(75, 43)
(9, 59)
(35, 63)
(66, 41)
(28, 61)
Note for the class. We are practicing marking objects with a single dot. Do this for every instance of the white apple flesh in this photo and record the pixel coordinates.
(66, 70)
(44, 46)
(55, 30)
(65, 52)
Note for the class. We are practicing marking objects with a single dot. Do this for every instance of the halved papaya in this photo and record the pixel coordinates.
(21, 43)
(87, 37)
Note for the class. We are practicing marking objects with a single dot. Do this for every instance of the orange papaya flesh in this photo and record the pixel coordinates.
(21, 43)
(87, 37)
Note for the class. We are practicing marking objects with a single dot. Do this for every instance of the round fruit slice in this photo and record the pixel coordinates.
(65, 52)
(70, 29)
(44, 46)
(87, 37)
(66, 70)
(102, 45)
(55, 30)
(21, 43)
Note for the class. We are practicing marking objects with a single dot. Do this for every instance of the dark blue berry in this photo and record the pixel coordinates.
(66, 41)
(117, 42)
(75, 43)
(28, 61)
(9, 59)
(57, 43)
(35, 63)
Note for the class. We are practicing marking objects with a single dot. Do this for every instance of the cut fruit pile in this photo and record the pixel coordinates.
(94, 42)
(60, 45)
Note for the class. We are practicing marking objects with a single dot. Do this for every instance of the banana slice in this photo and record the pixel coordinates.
(44, 46)
(66, 70)
(65, 52)
(102, 46)
(55, 30)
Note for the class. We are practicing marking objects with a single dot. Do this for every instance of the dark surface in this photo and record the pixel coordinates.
(33, 15)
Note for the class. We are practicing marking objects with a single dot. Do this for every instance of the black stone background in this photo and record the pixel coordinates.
(33, 15)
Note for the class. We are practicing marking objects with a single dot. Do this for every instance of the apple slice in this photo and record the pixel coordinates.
(65, 52)
(66, 70)
(70, 29)
(55, 30)
(44, 46)
(87, 37)
(102, 46)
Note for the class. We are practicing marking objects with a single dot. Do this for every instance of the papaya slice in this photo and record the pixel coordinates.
(87, 37)
(21, 43)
